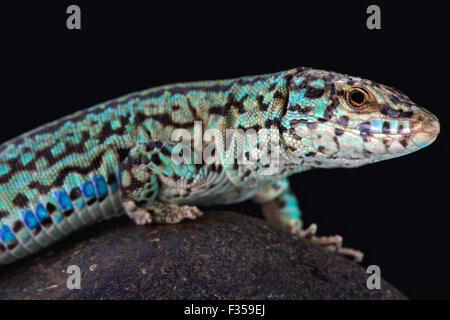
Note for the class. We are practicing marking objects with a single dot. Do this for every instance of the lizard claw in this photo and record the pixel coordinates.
(309, 232)
(331, 243)
(352, 254)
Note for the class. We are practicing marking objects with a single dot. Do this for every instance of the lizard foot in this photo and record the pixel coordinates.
(139, 215)
(173, 213)
(330, 243)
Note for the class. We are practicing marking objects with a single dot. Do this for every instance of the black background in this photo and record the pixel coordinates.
(395, 211)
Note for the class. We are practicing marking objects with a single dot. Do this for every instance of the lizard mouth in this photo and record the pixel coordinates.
(424, 129)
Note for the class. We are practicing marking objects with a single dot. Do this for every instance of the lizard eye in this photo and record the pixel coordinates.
(357, 98)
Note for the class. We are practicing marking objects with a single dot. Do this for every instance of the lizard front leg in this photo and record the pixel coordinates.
(280, 207)
(139, 185)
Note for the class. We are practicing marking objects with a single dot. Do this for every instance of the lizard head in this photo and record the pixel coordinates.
(335, 120)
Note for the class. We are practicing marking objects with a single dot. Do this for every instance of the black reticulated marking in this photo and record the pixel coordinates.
(314, 93)
(149, 194)
(59, 180)
(156, 159)
(270, 122)
(277, 95)
(75, 193)
(255, 127)
(165, 151)
(123, 153)
(91, 201)
(69, 148)
(134, 185)
(220, 110)
(166, 120)
(335, 139)
(365, 127)
(213, 88)
(12, 245)
(343, 121)
(296, 136)
(139, 118)
(261, 105)
(107, 131)
(404, 142)
(338, 132)
(365, 135)
(111, 178)
(68, 213)
(3, 214)
(17, 226)
(37, 230)
(149, 146)
(141, 203)
(50, 207)
(231, 102)
(20, 200)
(294, 86)
(46, 222)
(328, 113)
(390, 112)
(246, 174)
(304, 110)
(386, 127)
(387, 110)
(407, 114)
(394, 99)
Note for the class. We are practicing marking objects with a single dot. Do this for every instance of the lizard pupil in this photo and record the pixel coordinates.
(357, 98)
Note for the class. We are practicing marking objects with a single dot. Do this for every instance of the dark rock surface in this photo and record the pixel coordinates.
(223, 256)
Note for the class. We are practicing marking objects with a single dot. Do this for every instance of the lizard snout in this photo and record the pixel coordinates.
(425, 128)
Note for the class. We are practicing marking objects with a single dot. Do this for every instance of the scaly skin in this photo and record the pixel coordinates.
(93, 164)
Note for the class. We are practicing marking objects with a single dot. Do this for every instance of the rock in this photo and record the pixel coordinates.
(222, 256)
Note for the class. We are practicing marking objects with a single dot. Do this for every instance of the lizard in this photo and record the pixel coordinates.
(117, 157)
